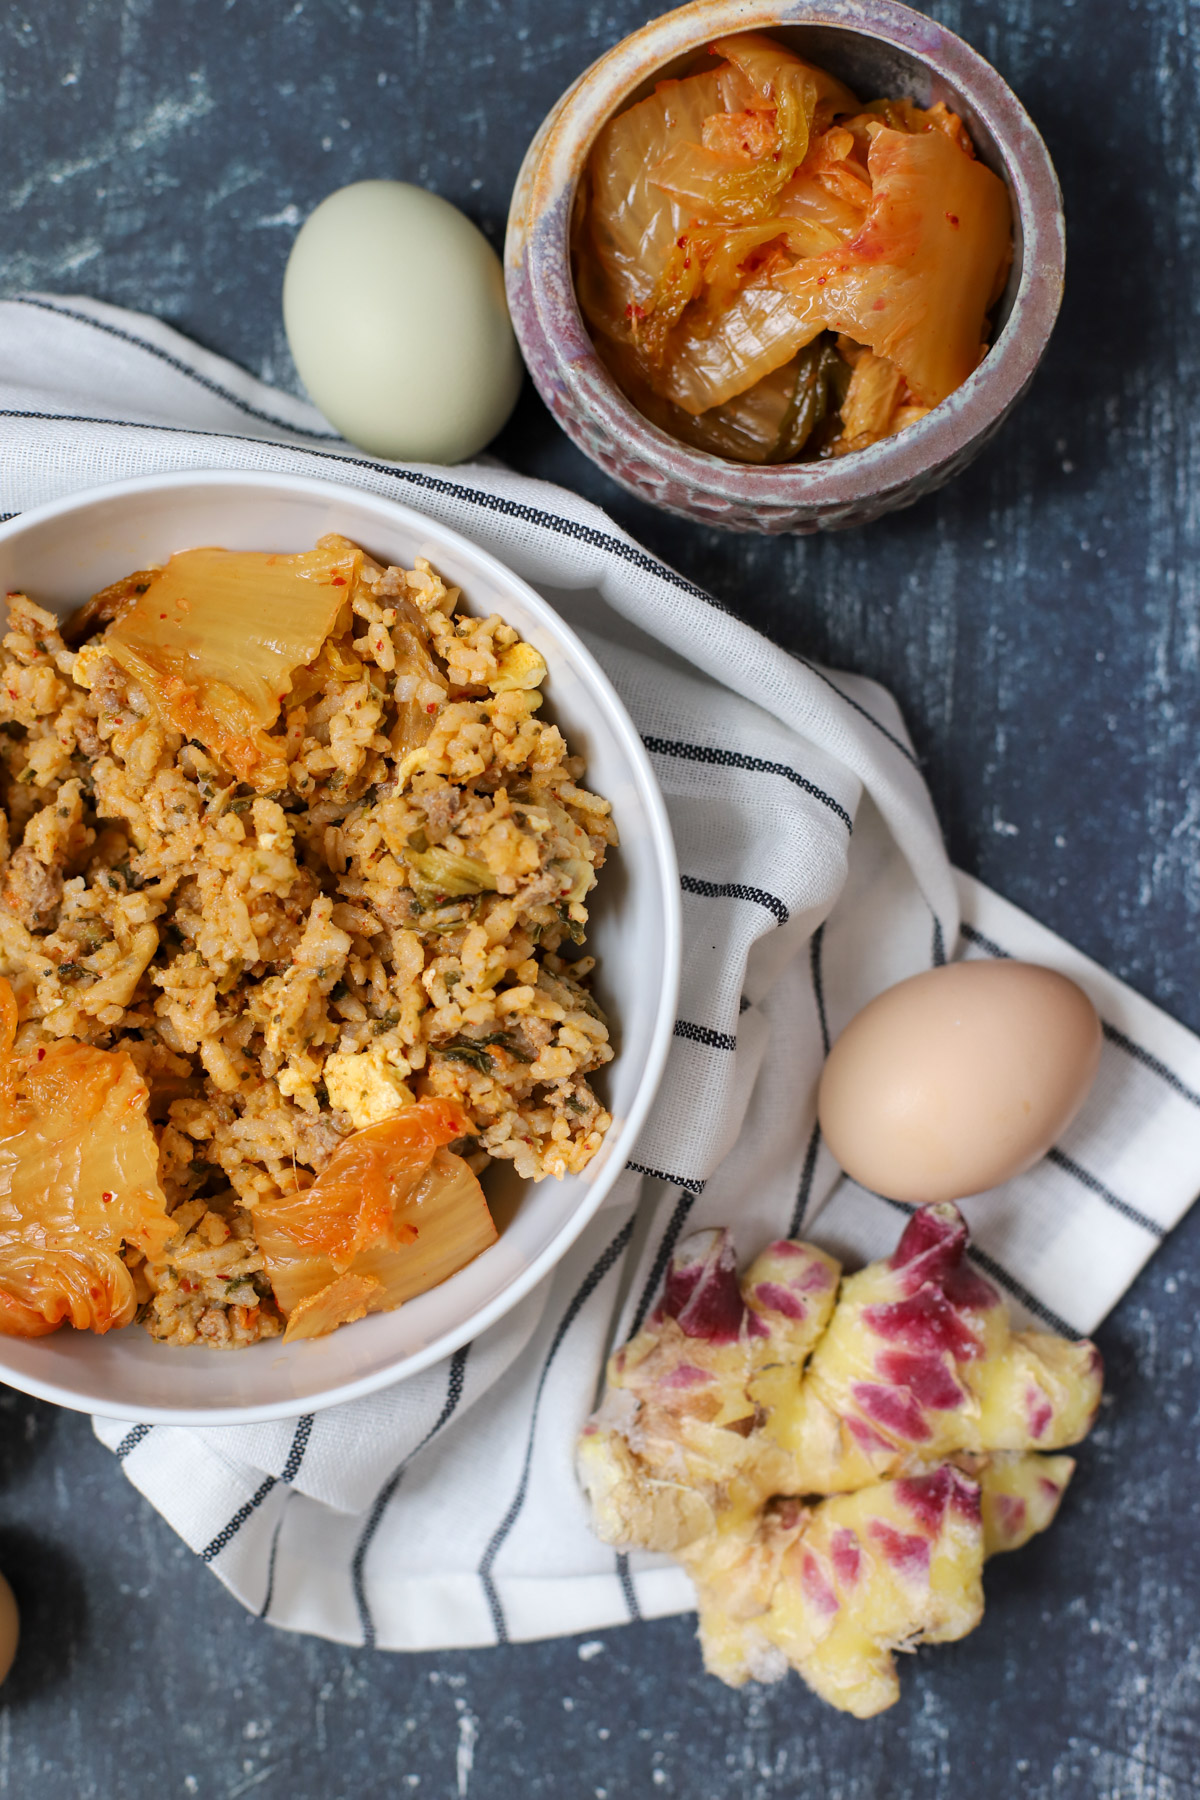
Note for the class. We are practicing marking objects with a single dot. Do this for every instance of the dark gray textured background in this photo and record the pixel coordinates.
(1040, 623)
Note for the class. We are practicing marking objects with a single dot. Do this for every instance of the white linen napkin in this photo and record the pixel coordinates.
(813, 876)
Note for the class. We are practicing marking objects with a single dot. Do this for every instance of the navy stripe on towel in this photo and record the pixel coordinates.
(433, 484)
(454, 1393)
(131, 1440)
(891, 737)
(288, 1474)
(703, 1034)
(734, 890)
(804, 1193)
(265, 1608)
(627, 1589)
(1152, 1063)
(984, 943)
(806, 1180)
(1086, 1179)
(757, 765)
(679, 1181)
(583, 1293)
(816, 945)
(174, 362)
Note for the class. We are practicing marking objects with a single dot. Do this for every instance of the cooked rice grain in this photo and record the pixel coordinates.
(286, 969)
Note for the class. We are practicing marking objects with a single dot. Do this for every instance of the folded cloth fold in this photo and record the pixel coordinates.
(813, 876)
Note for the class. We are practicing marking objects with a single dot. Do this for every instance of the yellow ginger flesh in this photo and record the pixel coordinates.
(832, 1466)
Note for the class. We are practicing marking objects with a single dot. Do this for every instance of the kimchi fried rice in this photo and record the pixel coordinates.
(399, 919)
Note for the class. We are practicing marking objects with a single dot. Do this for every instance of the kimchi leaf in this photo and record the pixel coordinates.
(215, 638)
(916, 282)
(393, 1213)
(78, 1180)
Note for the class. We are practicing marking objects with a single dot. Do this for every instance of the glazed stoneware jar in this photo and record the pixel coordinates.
(878, 48)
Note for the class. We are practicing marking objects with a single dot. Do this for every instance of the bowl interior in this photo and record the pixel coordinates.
(69, 551)
(875, 70)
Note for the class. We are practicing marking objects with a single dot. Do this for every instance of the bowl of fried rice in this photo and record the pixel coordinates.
(339, 945)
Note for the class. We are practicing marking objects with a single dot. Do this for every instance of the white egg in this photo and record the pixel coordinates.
(394, 308)
(958, 1079)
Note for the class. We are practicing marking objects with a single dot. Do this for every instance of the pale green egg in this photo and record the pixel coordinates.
(394, 308)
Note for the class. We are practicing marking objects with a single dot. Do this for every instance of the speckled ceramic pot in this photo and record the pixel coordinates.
(878, 48)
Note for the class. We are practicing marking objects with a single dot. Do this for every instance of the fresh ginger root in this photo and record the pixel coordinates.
(919, 1362)
(832, 1468)
(1020, 1495)
(678, 1439)
(866, 1573)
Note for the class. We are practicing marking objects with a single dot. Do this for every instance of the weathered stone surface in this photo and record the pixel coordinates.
(1039, 621)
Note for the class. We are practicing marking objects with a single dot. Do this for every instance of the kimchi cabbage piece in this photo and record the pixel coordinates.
(393, 1212)
(78, 1182)
(748, 235)
(215, 637)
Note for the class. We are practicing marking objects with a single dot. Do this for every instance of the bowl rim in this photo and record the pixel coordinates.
(544, 199)
(670, 904)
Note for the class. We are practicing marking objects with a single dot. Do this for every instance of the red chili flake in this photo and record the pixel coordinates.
(106, 1196)
(953, 218)
(682, 241)
(12, 693)
(162, 615)
(432, 706)
(189, 1287)
(776, 156)
(41, 1056)
(821, 280)
(687, 262)
(338, 581)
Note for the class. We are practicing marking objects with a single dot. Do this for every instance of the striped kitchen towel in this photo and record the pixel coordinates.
(813, 876)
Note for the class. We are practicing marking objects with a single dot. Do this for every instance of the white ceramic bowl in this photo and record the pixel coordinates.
(65, 551)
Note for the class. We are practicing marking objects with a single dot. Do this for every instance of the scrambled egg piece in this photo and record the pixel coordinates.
(367, 1086)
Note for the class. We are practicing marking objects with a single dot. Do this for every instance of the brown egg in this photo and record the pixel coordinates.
(958, 1079)
(10, 1628)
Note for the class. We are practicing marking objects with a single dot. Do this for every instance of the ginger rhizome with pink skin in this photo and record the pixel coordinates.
(833, 1459)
